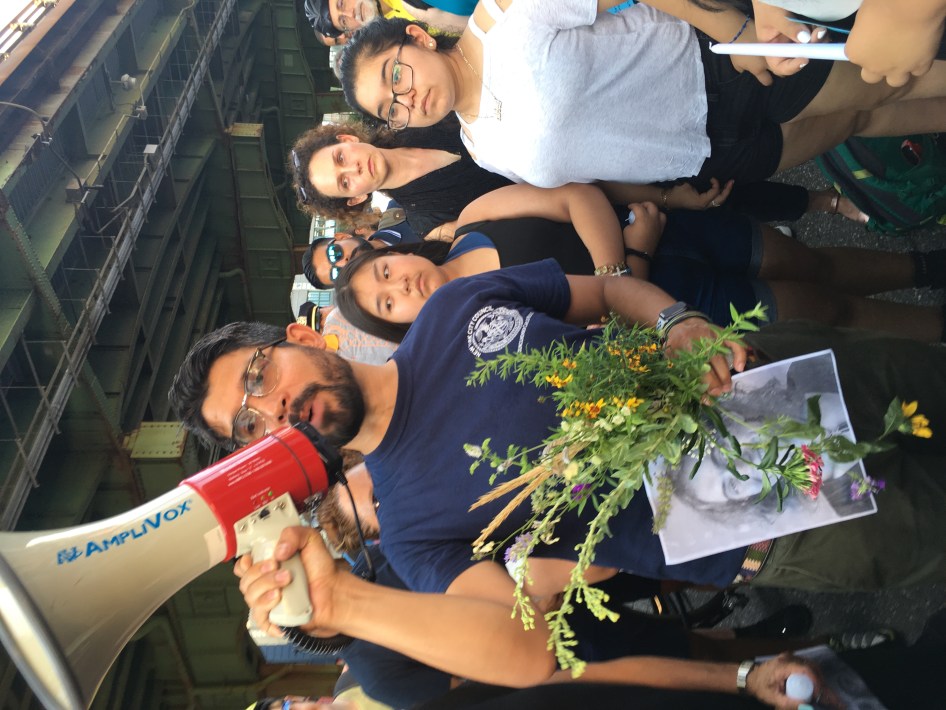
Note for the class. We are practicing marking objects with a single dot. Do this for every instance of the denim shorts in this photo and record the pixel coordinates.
(711, 259)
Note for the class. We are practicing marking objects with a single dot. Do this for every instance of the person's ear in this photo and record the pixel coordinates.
(352, 201)
(347, 138)
(420, 37)
(299, 334)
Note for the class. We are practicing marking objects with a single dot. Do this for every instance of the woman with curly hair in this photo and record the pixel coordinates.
(335, 169)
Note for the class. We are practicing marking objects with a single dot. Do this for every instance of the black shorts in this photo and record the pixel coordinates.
(743, 116)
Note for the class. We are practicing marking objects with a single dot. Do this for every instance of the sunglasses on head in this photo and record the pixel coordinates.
(300, 177)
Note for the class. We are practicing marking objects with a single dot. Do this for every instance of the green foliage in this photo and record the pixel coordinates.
(623, 405)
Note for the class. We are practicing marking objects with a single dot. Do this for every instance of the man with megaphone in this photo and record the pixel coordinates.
(412, 416)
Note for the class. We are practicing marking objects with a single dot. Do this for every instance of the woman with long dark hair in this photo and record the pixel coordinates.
(550, 93)
(709, 259)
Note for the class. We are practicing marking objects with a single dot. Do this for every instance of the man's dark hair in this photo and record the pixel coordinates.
(310, 143)
(339, 526)
(369, 41)
(308, 270)
(189, 388)
(347, 303)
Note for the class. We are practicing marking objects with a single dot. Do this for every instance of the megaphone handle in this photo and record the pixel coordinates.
(294, 609)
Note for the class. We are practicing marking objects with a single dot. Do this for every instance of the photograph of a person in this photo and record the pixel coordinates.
(715, 511)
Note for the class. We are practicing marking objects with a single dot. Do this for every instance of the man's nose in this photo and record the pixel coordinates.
(275, 408)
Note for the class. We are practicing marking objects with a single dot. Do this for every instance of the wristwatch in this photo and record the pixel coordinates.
(670, 313)
(673, 314)
(742, 675)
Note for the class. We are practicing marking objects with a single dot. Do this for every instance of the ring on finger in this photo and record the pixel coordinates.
(714, 203)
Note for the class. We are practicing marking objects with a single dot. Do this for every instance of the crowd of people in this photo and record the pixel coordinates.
(557, 162)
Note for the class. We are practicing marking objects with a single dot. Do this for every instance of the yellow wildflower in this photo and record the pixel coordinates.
(592, 409)
(569, 364)
(557, 381)
(908, 408)
(918, 423)
(634, 402)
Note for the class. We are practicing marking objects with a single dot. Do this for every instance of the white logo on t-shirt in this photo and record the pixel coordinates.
(492, 329)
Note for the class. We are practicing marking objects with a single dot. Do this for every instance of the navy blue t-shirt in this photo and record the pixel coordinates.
(420, 470)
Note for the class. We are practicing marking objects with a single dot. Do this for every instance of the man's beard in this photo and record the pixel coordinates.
(344, 408)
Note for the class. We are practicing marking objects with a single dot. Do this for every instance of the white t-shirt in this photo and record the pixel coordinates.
(822, 10)
(588, 96)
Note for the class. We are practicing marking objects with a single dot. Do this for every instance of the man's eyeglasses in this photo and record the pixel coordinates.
(334, 252)
(259, 380)
(402, 80)
(300, 177)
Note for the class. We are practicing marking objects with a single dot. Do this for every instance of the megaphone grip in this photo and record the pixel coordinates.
(294, 609)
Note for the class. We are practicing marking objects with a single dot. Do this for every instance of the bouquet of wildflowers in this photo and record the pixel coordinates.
(624, 406)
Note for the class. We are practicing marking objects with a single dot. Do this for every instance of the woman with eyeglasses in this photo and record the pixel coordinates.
(550, 93)
(710, 259)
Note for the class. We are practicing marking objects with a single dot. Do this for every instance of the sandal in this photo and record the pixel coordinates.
(839, 204)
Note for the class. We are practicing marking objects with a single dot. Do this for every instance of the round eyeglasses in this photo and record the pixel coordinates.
(402, 81)
(259, 380)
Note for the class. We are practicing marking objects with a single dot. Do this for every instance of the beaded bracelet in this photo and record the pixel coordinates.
(741, 30)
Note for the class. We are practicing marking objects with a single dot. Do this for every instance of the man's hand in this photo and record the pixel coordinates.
(766, 682)
(719, 379)
(888, 43)
(260, 583)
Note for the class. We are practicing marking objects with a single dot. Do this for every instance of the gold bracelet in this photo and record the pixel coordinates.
(612, 270)
(664, 195)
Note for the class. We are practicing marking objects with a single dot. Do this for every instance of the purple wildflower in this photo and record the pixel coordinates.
(861, 487)
(579, 489)
(519, 549)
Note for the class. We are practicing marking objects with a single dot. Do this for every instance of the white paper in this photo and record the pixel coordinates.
(715, 511)
(787, 49)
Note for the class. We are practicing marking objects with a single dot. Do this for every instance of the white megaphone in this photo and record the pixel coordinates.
(70, 599)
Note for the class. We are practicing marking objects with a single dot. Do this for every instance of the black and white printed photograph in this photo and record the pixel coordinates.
(715, 511)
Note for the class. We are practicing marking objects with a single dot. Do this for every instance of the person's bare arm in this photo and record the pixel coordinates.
(896, 40)
(468, 632)
(766, 682)
(584, 206)
(727, 25)
(636, 301)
